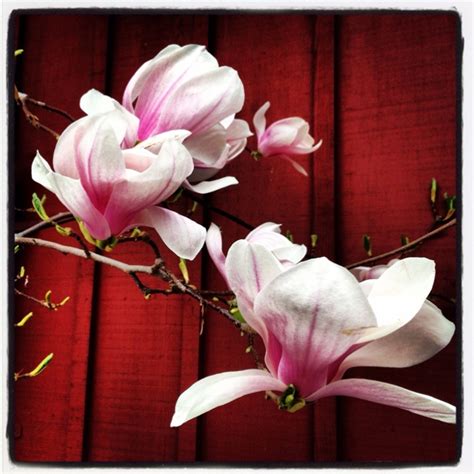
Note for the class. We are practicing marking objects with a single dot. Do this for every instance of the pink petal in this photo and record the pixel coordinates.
(214, 247)
(140, 190)
(311, 310)
(211, 97)
(157, 76)
(249, 268)
(391, 395)
(259, 121)
(217, 390)
(418, 340)
(180, 234)
(296, 165)
(98, 159)
(70, 192)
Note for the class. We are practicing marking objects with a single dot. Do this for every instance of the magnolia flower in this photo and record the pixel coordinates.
(284, 137)
(268, 235)
(317, 321)
(185, 88)
(111, 189)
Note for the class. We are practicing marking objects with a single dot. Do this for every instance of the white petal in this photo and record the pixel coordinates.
(205, 187)
(217, 390)
(214, 247)
(180, 234)
(391, 395)
(397, 296)
(418, 340)
(259, 121)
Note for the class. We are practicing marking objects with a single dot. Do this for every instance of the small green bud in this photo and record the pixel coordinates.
(256, 155)
(64, 231)
(314, 240)
(433, 190)
(18, 52)
(184, 270)
(404, 239)
(367, 244)
(38, 206)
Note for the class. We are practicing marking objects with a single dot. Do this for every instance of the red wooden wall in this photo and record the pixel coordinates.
(380, 90)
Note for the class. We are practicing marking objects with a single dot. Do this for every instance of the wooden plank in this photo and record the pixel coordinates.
(146, 352)
(397, 121)
(324, 209)
(275, 56)
(49, 409)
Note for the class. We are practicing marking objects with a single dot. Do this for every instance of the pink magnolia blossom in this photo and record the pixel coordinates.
(112, 189)
(268, 235)
(317, 321)
(284, 137)
(184, 87)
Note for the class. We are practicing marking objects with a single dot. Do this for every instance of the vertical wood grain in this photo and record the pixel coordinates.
(146, 350)
(380, 90)
(274, 64)
(397, 123)
(324, 207)
(49, 409)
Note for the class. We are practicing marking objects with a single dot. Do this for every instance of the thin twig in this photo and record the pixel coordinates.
(31, 117)
(59, 218)
(157, 269)
(51, 108)
(406, 247)
(219, 211)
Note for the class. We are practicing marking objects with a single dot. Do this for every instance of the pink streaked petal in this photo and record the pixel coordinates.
(418, 340)
(276, 138)
(259, 121)
(220, 389)
(181, 235)
(70, 192)
(295, 165)
(249, 268)
(205, 187)
(140, 190)
(214, 247)
(391, 395)
(311, 310)
(209, 97)
(99, 162)
(158, 75)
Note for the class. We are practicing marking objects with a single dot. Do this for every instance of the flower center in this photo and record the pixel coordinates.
(290, 401)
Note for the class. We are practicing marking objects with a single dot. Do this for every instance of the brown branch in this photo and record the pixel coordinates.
(404, 248)
(59, 218)
(32, 118)
(157, 269)
(50, 108)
